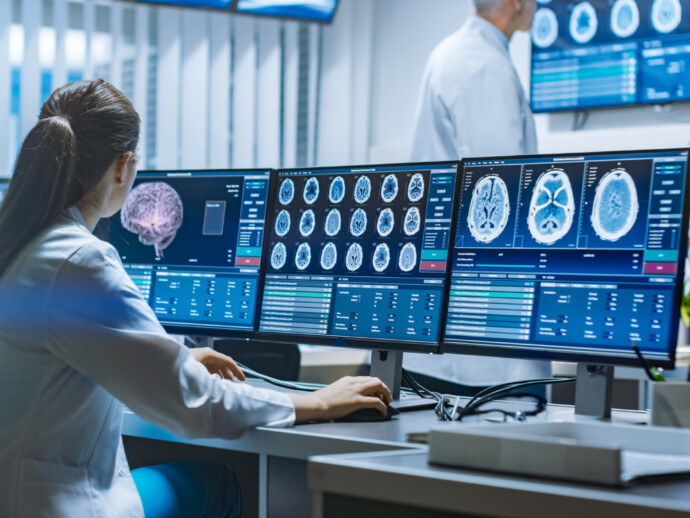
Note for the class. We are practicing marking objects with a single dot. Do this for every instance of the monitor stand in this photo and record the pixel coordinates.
(593, 389)
(387, 366)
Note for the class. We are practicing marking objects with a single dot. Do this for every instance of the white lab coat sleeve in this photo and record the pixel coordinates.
(488, 115)
(98, 323)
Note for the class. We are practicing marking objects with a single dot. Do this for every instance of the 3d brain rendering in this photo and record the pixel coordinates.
(153, 210)
(489, 209)
(552, 208)
(615, 206)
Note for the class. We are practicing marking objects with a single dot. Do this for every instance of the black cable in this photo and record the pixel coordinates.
(420, 390)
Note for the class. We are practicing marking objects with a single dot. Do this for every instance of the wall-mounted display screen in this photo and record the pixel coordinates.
(308, 10)
(214, 4)
(605, 53)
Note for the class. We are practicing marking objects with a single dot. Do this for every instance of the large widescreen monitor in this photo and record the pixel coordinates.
(307, 10)
(604, 53)
(192, 242)
(357, 255)
(570, 257)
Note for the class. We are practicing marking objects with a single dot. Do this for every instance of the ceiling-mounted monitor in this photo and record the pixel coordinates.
(608, 53)
(307, 10)
(210, 4)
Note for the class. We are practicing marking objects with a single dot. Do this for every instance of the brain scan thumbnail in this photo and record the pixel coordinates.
(303, 256)
(336, 192)
(286, 193)
(283, 220)
(384, 225)
(307, 223)
(615, 206)
(362, 189)
(552, 207)
(353, 258)
(412, 222)
(625, 18)
(489, 209)
(311, 190)
(666, 15)
(333, 221)
(382, 256)
(415, 190)
(544, 28)
(408, 257)
(278, 256)
(153, 210)
(389, 188)
(358, 222)
(329, 256)
(583, 22)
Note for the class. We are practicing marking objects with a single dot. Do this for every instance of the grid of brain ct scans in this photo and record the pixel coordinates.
(387, 227)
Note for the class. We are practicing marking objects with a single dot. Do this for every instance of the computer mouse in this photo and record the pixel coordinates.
(370, 414)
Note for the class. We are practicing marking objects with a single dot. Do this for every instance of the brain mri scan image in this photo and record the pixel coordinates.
(666, 15)
(384, 225)
(358, 222)
(286, 192)
(389, 188)
(336, 192)
(311, 190)
(583, 22)
(415, 190)
(412, 222)
(329, 256)
(353, 258)
(625, 18)
(552, 207)
(153, 210)
(615, 206)
(382, 256)
(362, 189)
(303, 256)
(283, 220)
(408, 257)
(278, 256)
(489, 209)
(307, 223)
(333, 221)
(544, 28)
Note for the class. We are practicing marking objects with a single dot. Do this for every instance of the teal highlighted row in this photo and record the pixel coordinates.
(590, 73)
(431, 255)
(297, 294)
(497, 294)
(660, 255)
(246, 251)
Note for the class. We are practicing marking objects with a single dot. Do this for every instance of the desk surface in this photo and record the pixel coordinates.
(406, 478)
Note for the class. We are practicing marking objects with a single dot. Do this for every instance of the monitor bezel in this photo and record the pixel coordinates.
(222, 332)
(350, 342)
(235, 10)
(515, 350)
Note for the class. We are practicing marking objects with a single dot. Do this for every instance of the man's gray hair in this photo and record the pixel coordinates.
(488, 6)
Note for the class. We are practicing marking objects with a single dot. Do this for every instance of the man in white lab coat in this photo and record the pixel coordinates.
(472, 104)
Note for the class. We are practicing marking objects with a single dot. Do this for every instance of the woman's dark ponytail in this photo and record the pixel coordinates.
(82, 129)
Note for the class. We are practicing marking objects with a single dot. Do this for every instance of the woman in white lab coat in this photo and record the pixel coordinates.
(77, 340)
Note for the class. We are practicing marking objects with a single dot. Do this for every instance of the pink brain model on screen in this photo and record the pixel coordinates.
(153, 210)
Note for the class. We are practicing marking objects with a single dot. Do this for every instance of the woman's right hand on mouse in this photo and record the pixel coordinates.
(341, 398)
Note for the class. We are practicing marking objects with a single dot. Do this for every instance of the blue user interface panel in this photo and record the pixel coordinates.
(359, 253)
(572, 256)
(609, 53)
(192, 243)
(308, 10)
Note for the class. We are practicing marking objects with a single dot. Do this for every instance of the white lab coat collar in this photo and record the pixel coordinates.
(489, 31)
(74, 214)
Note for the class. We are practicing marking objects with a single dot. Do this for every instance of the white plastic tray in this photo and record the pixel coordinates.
(599, 453)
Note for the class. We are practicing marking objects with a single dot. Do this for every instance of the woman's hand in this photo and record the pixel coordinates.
(217, 363)
(341, 398)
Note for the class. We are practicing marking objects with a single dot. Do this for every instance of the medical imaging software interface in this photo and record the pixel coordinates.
(568, 254)
(192, 243)
(609, 52)
(359, 253)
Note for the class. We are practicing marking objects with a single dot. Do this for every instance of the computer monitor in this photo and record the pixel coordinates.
(305, 10)
(4, 185)
(356, 256)
(192, 242)
(604, 53)
(570, 257)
